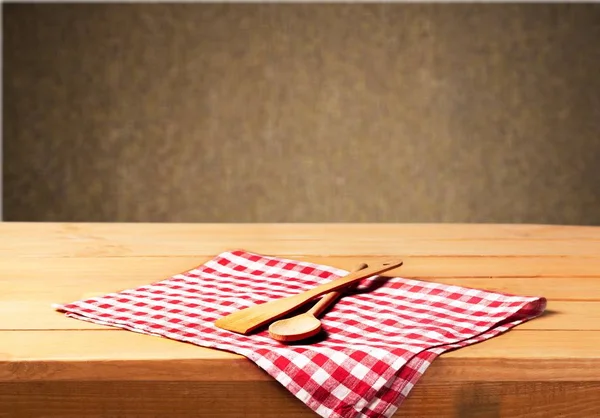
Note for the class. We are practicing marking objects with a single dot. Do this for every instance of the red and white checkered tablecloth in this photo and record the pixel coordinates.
(378, 341)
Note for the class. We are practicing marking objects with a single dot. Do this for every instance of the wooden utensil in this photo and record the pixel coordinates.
(305, 325)
(247, 320)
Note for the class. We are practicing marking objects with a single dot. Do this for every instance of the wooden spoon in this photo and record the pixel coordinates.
(247, 320)
(305, 325)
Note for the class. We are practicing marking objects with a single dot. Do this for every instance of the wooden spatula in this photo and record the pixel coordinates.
(247, 320)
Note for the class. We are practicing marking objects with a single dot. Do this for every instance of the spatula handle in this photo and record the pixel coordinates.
(341, 282)
(330, 297)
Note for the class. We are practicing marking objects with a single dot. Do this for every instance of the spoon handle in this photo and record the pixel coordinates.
(331, 297)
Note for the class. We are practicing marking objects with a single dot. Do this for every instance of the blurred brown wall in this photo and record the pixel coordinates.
(272, 113)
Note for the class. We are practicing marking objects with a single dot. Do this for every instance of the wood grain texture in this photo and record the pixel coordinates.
(520, 355)
(268, 399)
(544, 368)
(126, 240)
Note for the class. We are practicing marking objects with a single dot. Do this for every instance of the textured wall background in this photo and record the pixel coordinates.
(270, 113)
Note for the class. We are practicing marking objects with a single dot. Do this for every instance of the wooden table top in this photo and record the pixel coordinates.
(46, 263)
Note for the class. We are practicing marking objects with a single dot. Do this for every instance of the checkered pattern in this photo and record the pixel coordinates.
(380, 338)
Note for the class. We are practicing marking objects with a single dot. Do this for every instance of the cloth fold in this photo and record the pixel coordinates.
(379, 339)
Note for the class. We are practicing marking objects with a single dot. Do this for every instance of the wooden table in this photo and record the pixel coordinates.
(53, 366)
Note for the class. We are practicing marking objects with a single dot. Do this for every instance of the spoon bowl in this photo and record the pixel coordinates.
(297, 328)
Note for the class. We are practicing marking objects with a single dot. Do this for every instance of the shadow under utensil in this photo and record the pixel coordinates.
(371, 286)
(359, 289)
(320, 337)
(374, 284)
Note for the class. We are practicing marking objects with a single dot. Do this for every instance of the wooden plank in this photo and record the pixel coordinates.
(36, 313)
(72, 278)
(26, 294)
(236, 368)
(116, 240)
(301, 230)
(105, 355)
(67, 289)
(561, 315)
(105, 268)
(138, 270)
(269, 399)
